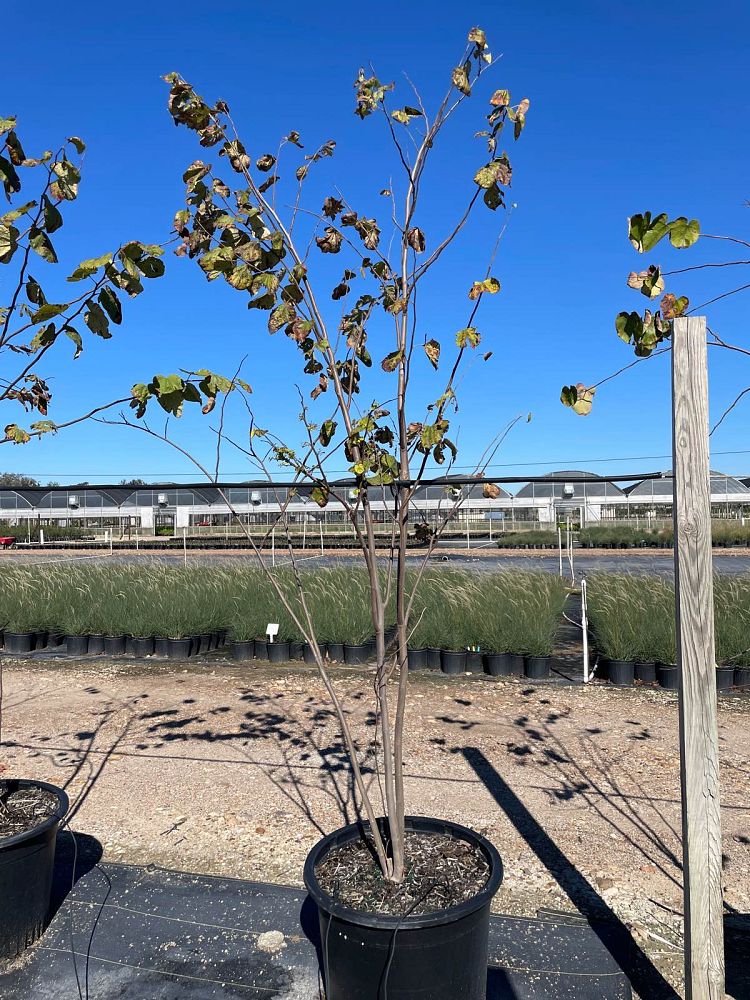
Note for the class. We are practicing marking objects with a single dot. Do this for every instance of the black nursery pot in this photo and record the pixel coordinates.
(296, 649)
(77, 645)
(668, 676)
(261, 649)
(26, 864)
(96, 643)
(645, 671)
(161, 646)
(114, 645)
(278, 652)
(206, 642)
(307, 652)
(143, 645)
(40, 638)
(742, 677)
(440, 955)
(497, 664)
(19, 642)
(129, 644)
(537, 667)
(242, 650)
(356, 653)
(55, 638)
(724, 678)
(453, 661)
(336, 652)
(621, 672)
(179, 649)
(474, 662)
(417, 659)
(433, 658)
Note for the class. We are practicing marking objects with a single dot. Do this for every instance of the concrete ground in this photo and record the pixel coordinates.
(237, 770)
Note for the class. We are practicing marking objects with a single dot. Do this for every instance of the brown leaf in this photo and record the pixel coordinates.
(432, 350)
(415, 239)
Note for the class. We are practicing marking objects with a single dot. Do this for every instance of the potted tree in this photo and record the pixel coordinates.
(403, 901)
(32, 319)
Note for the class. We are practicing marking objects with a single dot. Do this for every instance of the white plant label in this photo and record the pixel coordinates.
(272, 630)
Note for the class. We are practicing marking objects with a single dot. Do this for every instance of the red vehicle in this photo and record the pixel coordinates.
(7, 543)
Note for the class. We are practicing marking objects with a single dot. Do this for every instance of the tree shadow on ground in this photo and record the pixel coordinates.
(635, 964)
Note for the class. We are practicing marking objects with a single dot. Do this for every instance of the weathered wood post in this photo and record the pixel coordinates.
(694, 618)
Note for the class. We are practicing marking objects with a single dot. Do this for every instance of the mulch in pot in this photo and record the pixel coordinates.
(443, 872)
(24, 808)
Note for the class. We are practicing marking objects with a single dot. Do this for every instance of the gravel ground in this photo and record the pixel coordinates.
(237, 770)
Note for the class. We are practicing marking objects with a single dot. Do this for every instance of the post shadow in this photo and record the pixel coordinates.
(642, 974)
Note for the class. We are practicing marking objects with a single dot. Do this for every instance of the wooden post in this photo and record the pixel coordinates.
(694, 620)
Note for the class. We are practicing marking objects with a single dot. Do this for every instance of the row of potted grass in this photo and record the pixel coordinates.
(467, 621)
(633, 628)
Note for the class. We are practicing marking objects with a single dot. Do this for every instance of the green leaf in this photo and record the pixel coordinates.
(68, 178)
(48, 311)
(34, 292)
(16, 434)
(460, 79)
(96, 321)
(79, 144)
(9, 177)
(6, 124)
(16, 213)
(319, 495)
(283, 313)
(468, 337)
(644, 233)
(52, 217)
(493, 197)
(489, 285)
(499, 171)
(44, 337)
(44, 427)
(75, 336)
(88, 267)
(41, 244)
(111, 304)
(629, 326)
(8, 243)
(682, 233)
(327, 430)
(405, 115)
(151, 267)
(578, 397)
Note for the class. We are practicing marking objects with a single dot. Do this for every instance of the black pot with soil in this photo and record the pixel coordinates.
(114, 645)
(19, 642)
(417, 659)
(453, 661)
(497, 664)
(440, 953)
(474, 663)
(96, 643)
(433, 658)
(645, 671)
(355, 653)
(28, 831)
(724, 678)
(336, 652)
(668, 676)
(179, 649)
(244, 649)
(621, 672)
(77, 645)
(278, 652)
(536, 667)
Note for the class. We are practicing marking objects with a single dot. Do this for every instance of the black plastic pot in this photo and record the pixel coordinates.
(336, 652)
(55, 638)
(77, 645)
(497, 664)
(354, 653)
(179, 649)
(161, 646)
(724, 678)
(307, 651)
(19, 642)
(278, 652)
(143, 645)
(206, 642)
(742, 677)
(440, 955)
(621, 672)
(26, 864)
(433, 658)
(243, 650)
(296, 649)
(417, 659)
(453, 661)
(96, 643)
(261, 649)
(645, 671)
(474, 662)
(114, 645)
(517, 664)
(129, 644)
(668, 676)
(536, 667)
(40, 638)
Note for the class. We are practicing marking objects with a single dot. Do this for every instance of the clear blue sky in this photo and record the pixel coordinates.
(633, 108)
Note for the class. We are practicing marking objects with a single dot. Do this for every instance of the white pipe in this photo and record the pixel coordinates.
(585, 628)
